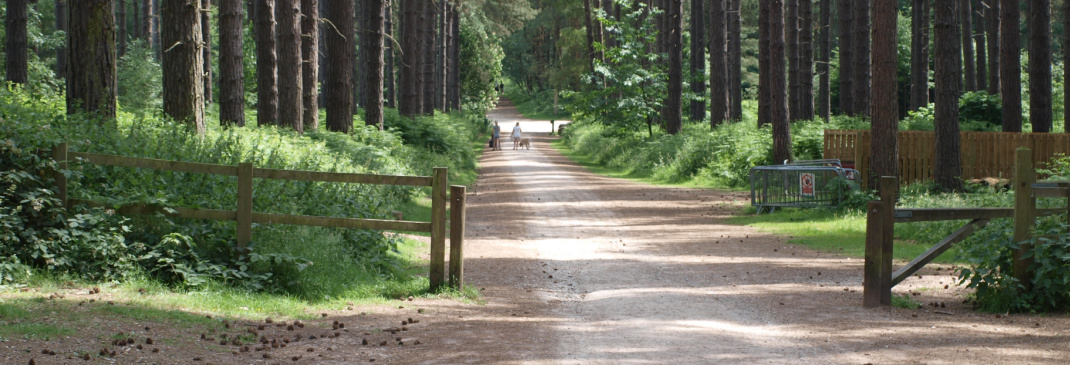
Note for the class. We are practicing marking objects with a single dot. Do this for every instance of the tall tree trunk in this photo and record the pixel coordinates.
(340, 47)
(1066, 66)
(91, 77)
(791, 36)
(806, 60)
(120, 21)
(674, 45)
(719, 80)
(969, 67)
(884, 150)
(824, 55)
(440, 58)
(61, 51)
(1040, 94)
(947, 164)
(735, 61)
(147, 23)
(359, 72)
(16, 48)
(1010, 66)
(863, 53)
(389, 75)
(409, 85)
(372, 40)
(610, 8)
(180, 29)
(979, 41)
(267, 87)
(427, 65)
(155, 31)
(594, 29)
(231, 69)
(455, 55)
(206, 49)
(288, 34)
(135, 29)
(310, 45)
(992, 25)
(764, 61)
(322, 27)
(847, 58)
(778, 92)
(698, 58)
(447, 57)
(919, 55)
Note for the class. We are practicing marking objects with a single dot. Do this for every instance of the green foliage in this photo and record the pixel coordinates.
(537, 104)
(905, 301)
(140, 79)
(978, 111)
(481, 64)
(1058, 169)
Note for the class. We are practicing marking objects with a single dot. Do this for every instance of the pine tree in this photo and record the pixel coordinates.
(91, 77)
(919, 55)
(372, 40)
(776, 98)
(735, 60)
(885, 109)
(120, 22)
(231, 69)
(979, 41)
(340, 48)
(206, 49)
(183, 89)
(410, 97)
(969, 68)
(1040, 89)
(824, 55)
(806, 61)
(674, 45)
(310, 67)
(61, 25)
(719, 79)
(1010, 66)
(862, 57)
(267, 87)
(948, 71)
(16, 46)
(288, 35)
(992, 27)
(698, 58)
(847, 60)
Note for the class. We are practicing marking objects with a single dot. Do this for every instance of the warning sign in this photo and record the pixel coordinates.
(806, 184)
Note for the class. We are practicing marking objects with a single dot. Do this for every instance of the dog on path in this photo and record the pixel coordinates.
(525, 143)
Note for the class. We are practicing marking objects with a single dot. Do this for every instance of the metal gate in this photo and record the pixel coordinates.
(798, 184)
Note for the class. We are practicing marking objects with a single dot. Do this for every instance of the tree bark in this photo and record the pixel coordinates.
(231, 69)
(267, 88)
(147, 23)
(806, 60)
(863, 53)
(1010, 66)
(61, 52)
(206, 50)
(120, 21)
(310, 45)
(409, 85)
(674, 45)
(847, 58)
(992, 25)
(440, 57)
(427, 73)
(288, 20)
(372, 40)
(16, 48)
(791, 36)
(824, 55)
(969, 67)
(1066, 66)
(698, 58)
(135, 30)
(155, 31)
(1040, 89)
(735, 61)
(979, 41)
(885, 109)
(183, 72)
(340, 48)
(719, 79)
(388, 72)
(778, 92)
(947, 164)
(455, 78)
(919, 55)
(764, 61)
(91, 77)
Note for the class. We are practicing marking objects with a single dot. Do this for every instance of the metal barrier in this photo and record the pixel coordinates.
(798, 184)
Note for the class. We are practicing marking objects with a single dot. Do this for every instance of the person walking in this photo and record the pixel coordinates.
(496, 138)
(516, 135)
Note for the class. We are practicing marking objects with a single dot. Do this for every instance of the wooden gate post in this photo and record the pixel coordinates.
(1025, 212)
(872, 279)
(889, 186)
(457, 216)
(437, 266)
(245, 206)
(59, 153)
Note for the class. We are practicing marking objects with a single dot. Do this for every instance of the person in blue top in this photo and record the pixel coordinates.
(496, 137)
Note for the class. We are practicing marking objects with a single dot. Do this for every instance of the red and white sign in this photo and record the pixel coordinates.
(806, 184)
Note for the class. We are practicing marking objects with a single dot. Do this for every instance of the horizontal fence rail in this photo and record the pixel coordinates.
(245, 216)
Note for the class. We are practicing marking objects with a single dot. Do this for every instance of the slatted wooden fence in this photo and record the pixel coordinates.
(245, 216)
(984, 154)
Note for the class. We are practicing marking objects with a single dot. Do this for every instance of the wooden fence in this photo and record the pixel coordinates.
(984, 154)
(245, 216)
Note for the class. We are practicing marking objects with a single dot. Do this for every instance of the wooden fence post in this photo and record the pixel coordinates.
(59, 154)
(245, 205)
(1025, 214)
(889, 190)
(457, 216)
(438, 228)
(872, 281)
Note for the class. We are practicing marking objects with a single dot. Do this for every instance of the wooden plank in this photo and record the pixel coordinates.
(148, 163)
(438, 229)
(335, 222)
(245, 205)
(1052, 192)
(177, 212)
(871, 282)
(342, 177)
(1024, 211)
(889, 190)
(918, 262)
(949, 214)
(457, 217)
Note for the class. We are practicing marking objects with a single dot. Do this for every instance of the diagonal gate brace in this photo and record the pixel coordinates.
(941, 247)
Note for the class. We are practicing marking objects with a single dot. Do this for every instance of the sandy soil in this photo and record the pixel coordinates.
(581, 269)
